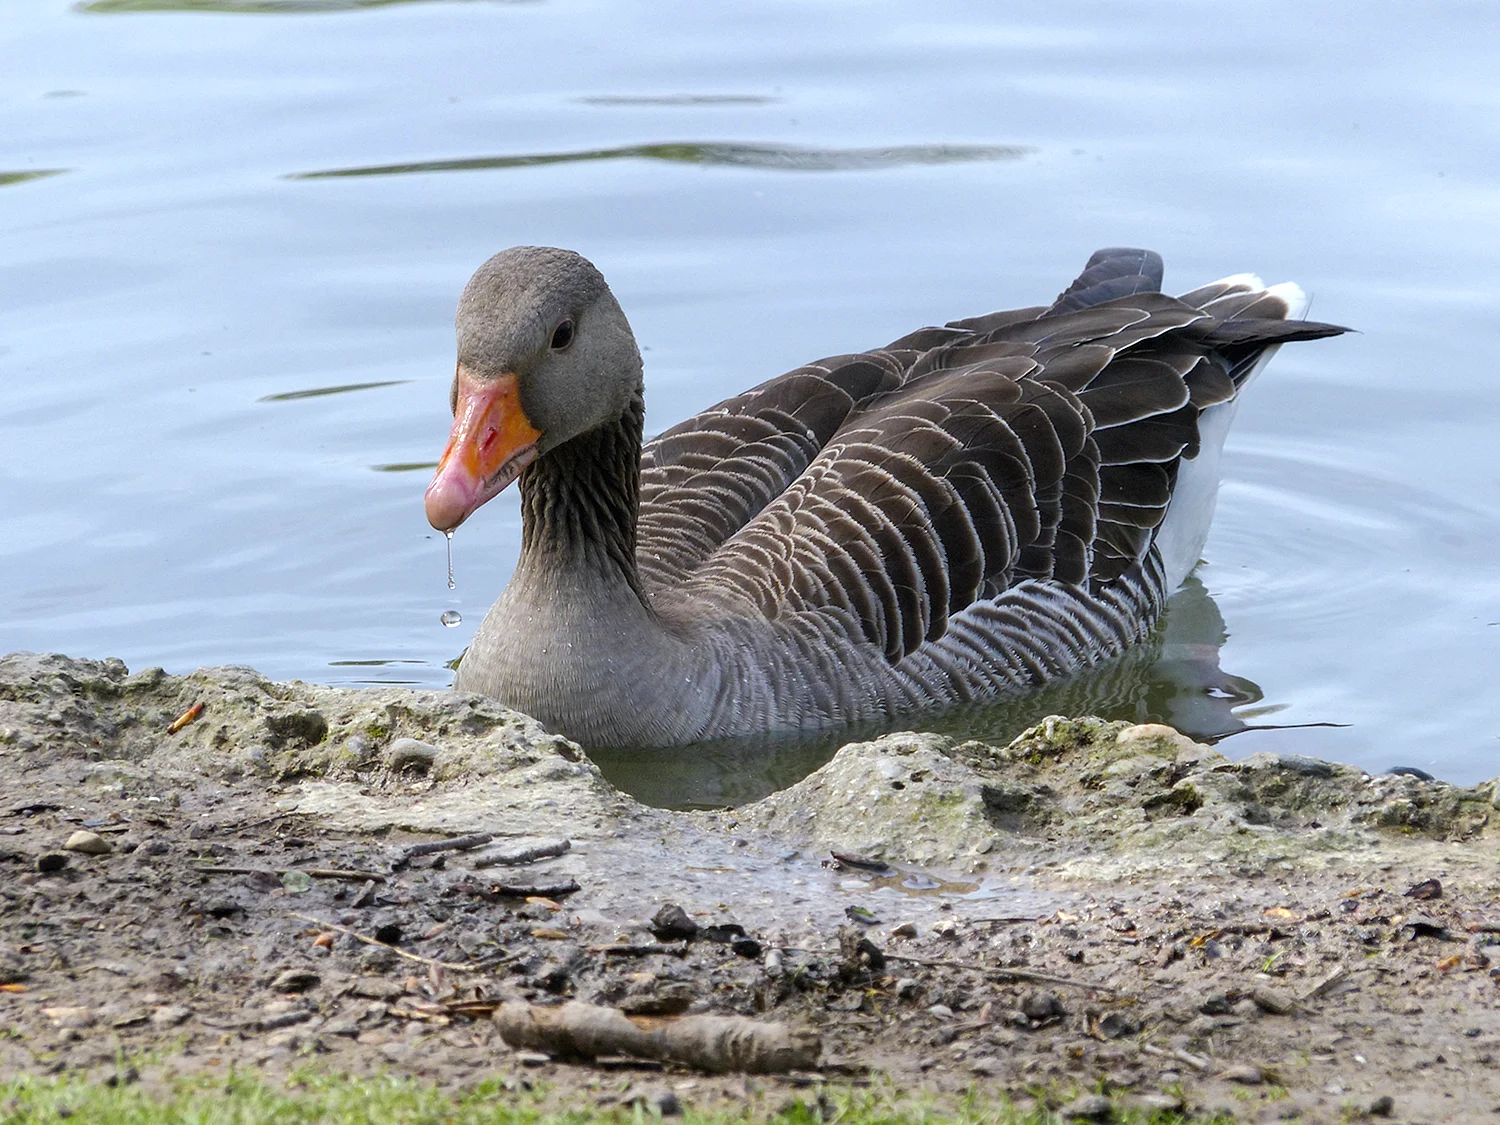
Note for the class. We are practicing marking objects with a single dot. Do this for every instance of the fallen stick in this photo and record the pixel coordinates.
(511, 857)
(712, 1043)
(386, 945)
(1005, 974)
(313, 872)
(452, 844)
(1180, 1055)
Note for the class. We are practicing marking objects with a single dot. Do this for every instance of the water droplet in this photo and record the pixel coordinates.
(449, 534)
(451, 617)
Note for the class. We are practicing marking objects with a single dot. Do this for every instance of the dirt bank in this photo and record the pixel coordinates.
(1094, 907)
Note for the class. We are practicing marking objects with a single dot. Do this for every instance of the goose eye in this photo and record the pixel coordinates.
(562, 335)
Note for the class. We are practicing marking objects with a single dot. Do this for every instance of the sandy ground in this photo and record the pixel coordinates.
(1094, 908)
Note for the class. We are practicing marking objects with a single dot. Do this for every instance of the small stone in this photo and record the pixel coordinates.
(295, 980)
(284, 1019)
(532, 1058)
(1090, 1107)
(52, 861)
(89, 843)
(408, 755)
(1246, 1074)
(1271, 1000)
(376, 988)
(664, 1102)
(1112, 1025)
(907, 988)
(1383, 1106)
(671, 923)
(1039, 1005)
(905, 931)
(388, 932)
(941, 1011)
(1215, 1004)
(170, 1015)
(1156, 1103)
(70, 1018)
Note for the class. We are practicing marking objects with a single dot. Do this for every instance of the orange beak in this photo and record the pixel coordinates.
(491, 442)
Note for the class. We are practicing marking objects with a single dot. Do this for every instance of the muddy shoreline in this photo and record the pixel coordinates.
(1095, 907)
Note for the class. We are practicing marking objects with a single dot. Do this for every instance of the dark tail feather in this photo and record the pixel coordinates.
(1119, 271)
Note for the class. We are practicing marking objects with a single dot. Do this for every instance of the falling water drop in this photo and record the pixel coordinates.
(451, 617)
(449, 534)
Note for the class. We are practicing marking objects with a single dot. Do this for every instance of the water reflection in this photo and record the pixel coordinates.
(1173, 678)
(7, 178)
(780, 158)
(319, 392)
(248, 7)
(677, 99)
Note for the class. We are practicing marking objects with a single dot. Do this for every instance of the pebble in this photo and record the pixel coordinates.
(89, 843)
(408, 755)
(70, 1018)
(664, 1102)
(52, 861)
(1383, 1106)
(376, 988)
(1090, 1107)
(1274, 1001)
(1039, 1005)
(295, 980)
(907, 987)
(941, 1011)
(532, 1058)
(1246, 1074)
(671, 923)
(170, 1015)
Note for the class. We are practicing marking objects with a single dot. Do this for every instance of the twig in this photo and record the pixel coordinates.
(529, 890)
(545, 850)
(385, 945)
(313, 872)
(622, 949)
(1006, 974)
(1180, 1055)
(453, 844)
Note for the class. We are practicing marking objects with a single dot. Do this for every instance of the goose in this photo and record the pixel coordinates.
(962, 515)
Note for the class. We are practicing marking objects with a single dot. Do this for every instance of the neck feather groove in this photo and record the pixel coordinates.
(579, 501)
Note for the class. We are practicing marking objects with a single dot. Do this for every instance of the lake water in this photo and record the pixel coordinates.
(234, 231)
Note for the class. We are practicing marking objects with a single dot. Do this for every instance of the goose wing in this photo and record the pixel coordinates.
(894, 488)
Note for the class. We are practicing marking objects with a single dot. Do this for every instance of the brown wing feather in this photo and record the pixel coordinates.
(904, 485)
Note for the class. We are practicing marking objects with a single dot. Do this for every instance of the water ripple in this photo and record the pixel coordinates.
(771, 157)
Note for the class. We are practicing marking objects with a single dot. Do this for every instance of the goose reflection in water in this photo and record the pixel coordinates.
(1173, 678)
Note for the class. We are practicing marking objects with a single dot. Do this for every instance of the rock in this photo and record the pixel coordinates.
(1273, 1000)
(664, 1102)
(1383, 1106)
(170, 1015)
(409, 755)
(388, 932)
(1214, 1004)
(1246, 1074)
(907, 988)
(376, 988)
(1039, 1005)
(89, 843)
(70, 1018)
(941, 1011)
(1090, 1107)
(51, 862)
(671, 923)
(295, 980)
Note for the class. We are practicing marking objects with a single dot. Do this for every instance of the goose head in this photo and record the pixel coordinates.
(545, 355)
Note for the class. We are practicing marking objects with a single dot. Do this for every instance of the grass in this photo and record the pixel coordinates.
(242, 1099)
